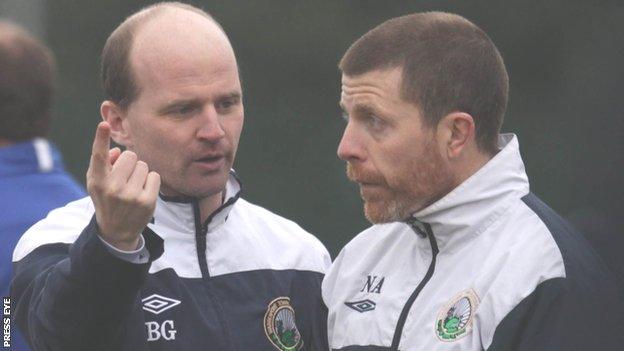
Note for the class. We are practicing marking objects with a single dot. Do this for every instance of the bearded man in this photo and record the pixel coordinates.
(461, 256)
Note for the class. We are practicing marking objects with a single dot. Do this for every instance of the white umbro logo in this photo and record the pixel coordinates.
(158, 304)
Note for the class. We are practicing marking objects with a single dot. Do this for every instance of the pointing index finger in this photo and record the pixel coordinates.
(99, 153)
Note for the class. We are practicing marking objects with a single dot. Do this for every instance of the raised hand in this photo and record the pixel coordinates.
(123, 191)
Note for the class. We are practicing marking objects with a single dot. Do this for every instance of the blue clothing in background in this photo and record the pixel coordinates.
(32, 183)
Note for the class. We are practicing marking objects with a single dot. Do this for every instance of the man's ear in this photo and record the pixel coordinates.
(116, 118)
(457, 132)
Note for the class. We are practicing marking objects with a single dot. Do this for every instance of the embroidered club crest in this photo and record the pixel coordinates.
(455, 319)
(280, 327)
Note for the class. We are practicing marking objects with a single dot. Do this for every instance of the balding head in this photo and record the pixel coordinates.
(165, 26)
(26, 84)
(174, 97)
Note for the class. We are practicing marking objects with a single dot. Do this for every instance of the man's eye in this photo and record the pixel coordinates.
(375, 122)
(227, 104)
(185, 110)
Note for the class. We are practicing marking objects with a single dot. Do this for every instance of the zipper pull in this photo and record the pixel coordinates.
(419, 227)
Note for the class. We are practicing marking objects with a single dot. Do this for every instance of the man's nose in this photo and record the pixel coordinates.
(350, 147)
(210, 129)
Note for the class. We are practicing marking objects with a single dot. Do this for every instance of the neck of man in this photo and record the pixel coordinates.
(208, 205)
(5, 142)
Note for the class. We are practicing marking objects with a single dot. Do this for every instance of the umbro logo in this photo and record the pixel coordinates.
(362, 306)
(158, 304)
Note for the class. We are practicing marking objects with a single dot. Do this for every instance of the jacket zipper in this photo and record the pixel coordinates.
(201, 231)
(200, 240)
(428, 233)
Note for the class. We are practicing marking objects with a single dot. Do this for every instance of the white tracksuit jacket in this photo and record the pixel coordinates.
(244, 279)
(487, 267)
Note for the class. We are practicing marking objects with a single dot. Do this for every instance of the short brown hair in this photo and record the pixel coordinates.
(27, 75)
(449, 64)
(117, 78)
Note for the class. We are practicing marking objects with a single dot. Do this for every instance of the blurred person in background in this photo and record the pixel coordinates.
(32, 178)
(165, 254)
(461, 254)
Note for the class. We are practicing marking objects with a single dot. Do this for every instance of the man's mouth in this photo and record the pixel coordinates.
(210, 158)
(363, 178)
(211, 162)
(369, 186)
(361, 182)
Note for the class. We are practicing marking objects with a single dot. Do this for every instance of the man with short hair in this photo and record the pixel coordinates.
(164, 254)
(461, 255)
(33, 180)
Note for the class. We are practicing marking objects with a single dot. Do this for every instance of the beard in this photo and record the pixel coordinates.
(416, 184)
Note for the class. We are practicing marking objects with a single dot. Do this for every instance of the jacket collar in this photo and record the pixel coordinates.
(33, 156)
(480, 200)
(180, 212)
